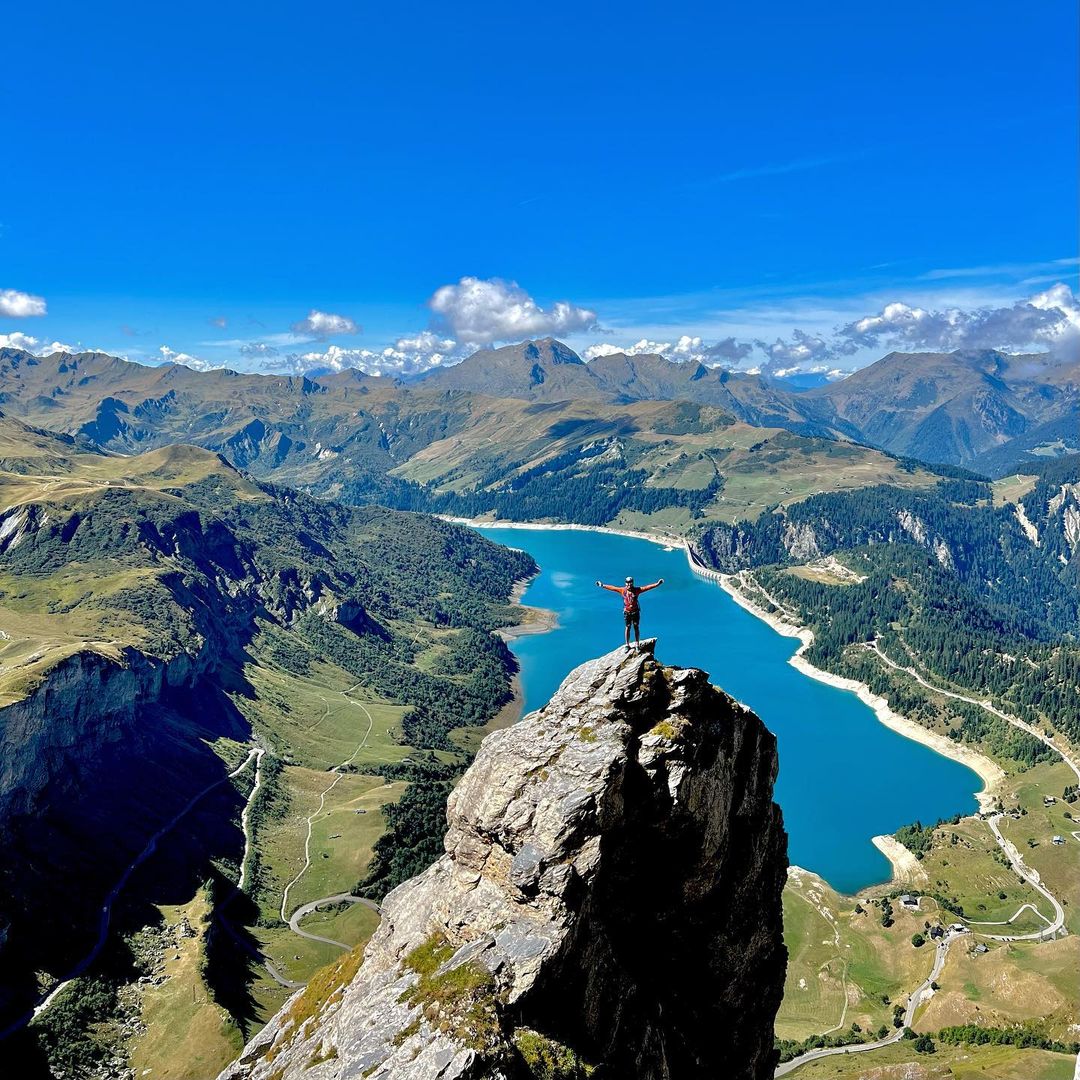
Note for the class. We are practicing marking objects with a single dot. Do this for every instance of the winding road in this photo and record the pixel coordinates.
(301, 912)
(923, 992)
(983, 703)
(1033, 879)
(1015, 861)
(341, 898)
(254, 754)
(245, 820)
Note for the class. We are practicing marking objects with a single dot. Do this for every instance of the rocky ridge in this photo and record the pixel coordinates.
(609, 899)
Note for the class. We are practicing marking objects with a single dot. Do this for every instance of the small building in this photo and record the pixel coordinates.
(1058, 840)
(981, 948)
(936, 932)
(958, 928)
(910, 902)
(1049, 800)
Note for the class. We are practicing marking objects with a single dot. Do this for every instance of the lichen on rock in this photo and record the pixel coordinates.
(606, 906)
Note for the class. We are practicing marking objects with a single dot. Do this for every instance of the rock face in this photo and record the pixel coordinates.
(87, 702)
(610, 896)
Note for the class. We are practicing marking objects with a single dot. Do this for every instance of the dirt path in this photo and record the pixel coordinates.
(337, 774)
(827, 915)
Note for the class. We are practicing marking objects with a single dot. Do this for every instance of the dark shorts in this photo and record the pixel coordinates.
(633, 618)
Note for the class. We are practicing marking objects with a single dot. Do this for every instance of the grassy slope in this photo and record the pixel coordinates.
(66, 604)
(840, 963)
(898, 1062)
(186, 1035)
(759, 466)
(1012, 983)
(48, 616)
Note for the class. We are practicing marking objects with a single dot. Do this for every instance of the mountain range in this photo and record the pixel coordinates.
(985, 410)
(194, 568)
(599, 457)
(958, 408)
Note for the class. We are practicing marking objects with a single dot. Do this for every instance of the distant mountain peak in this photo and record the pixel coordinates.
(546, 349)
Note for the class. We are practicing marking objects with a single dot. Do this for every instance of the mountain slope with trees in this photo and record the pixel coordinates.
(164, 615)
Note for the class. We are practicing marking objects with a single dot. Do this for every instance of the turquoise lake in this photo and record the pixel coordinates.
(844, 776)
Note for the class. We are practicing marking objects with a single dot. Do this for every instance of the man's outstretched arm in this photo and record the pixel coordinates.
(654, 585)
(610, 588)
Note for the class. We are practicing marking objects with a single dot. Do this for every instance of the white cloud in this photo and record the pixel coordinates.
(257, 348)
(20, 305)
(407, 356)
(605, 348)
(324, 324)
(19, 341)
(426, 342)
(898, 317)
(1048, 320)
(688, 348)
(480, 312)
(333, 358)
(725, 352)
(27, 343)
(642, 348)
(801, 349)
(187, 360)
(1063, 336)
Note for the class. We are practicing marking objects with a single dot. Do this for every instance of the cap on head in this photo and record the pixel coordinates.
(629, 580)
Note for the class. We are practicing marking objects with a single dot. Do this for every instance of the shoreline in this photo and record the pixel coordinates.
(672, 542)
(535, 620)
(904, 867)
(987, 770)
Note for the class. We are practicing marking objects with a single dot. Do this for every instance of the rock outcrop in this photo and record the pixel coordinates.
(610, 898)
(82, 705)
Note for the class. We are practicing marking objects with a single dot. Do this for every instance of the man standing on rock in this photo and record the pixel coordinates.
(632, 612)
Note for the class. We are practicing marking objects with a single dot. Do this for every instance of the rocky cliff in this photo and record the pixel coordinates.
(609, 898)
(83, 704)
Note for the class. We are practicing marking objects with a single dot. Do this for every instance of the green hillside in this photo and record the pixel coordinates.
(162, 616)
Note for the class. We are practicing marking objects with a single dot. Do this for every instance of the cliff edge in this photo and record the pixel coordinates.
(609, 904)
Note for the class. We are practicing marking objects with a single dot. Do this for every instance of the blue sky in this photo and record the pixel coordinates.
(200, 179)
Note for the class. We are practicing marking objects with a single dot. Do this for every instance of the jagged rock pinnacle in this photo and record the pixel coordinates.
(610, 891)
